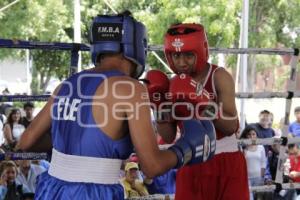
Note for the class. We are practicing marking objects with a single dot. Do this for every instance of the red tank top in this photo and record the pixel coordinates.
(209, 85)
(209, 88)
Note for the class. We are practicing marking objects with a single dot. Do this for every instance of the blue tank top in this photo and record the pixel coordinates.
(74, 129)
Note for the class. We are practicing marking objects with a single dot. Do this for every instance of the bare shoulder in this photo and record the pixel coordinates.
(126, 86)
(222, 74)
(223, 80)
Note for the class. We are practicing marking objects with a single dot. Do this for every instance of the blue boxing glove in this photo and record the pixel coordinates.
(197, 143)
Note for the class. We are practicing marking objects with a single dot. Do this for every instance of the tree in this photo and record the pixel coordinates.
(267, 21)
(40, 20)
(52, 20)
(218, 17)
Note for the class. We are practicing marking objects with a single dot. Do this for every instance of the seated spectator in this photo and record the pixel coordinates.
(43, 163)
(294, 128)
(163, 184)
(272, 160)
(294, 171)
(9, 188)
(13, 129)
(132, 186)
(28, 174)
(294, 156)
(7, 105)
(2, 122)
(28, 108)
(256, 159)
(263, 127)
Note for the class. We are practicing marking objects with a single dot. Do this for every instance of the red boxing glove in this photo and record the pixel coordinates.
(188, 96)
(157, 84)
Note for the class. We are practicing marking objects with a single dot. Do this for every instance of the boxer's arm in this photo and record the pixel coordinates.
(227, 122)
(153, 161)
(43, 144)
(35, 136)
(40, 124)
(137, 109)
(157, 84)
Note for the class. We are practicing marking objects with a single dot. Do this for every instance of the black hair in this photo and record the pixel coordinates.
(28, 104)
(297, 109)
(9, 118)
(246, 131)
(264, 112)
(290, 146)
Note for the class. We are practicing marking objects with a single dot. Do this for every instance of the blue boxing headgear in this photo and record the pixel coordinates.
(119, 34)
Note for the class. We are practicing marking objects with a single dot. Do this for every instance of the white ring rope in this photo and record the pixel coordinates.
(268, 141)
(284, 186)
(258, 141)
(262, 95)
(291, 87)
(155, 197)
(241, 95)
(265, 188)
(268, 51)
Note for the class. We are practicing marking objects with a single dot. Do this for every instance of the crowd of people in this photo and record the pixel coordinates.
(90, 141)
(18, 178)
(262, 160)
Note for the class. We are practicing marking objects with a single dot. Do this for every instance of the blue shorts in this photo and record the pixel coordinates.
(49, 187)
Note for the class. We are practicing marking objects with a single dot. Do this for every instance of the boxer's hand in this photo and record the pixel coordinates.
(157, 84)
(197, 143)
(188, 95)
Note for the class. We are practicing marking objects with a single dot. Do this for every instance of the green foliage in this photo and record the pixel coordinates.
(218, 17)
(52, 20)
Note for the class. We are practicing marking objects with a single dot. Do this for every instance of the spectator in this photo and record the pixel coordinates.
(294, 128)
(7, 104)
(263, 127)
(294, 156)
(272, 160)
(43, 163)
(28, 174)
(163, 184)
(132, 186)
(2, 122)
(9, 188)
(6, 91)
(28, 108)
(13, 129)
(256, 159)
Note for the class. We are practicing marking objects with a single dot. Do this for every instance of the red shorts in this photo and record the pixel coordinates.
(222, 178)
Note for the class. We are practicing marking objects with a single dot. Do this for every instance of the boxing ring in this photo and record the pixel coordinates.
(74, 49)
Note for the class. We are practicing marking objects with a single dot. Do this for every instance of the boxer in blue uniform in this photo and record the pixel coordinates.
(98, 116)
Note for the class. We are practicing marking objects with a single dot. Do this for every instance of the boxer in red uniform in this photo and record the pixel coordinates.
(224, 177)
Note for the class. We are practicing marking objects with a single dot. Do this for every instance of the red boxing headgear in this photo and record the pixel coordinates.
(184, 38)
